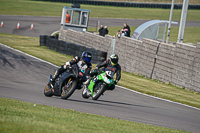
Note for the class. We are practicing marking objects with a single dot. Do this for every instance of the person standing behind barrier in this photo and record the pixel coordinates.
(126, 30)
(67, 20)
(101, 30)
(118, 34)
(105, 30)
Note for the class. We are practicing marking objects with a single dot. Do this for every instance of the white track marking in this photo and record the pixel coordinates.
(116, 85)
(54, 32)
(29, 55)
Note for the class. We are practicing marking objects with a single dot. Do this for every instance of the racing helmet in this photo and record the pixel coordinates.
(86, 56)
(114, 59)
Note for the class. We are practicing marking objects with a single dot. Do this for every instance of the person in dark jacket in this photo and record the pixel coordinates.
(83, 63)
(105, 30)
(112, 64)
(126, 30)
(101, 30)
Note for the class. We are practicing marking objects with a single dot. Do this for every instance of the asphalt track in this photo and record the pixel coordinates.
(24, 78)
(47, 25)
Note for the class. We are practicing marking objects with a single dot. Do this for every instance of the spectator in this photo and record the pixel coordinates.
(101, 30)
(67, 20)
(126, 30)
(118, 34)
(105, 30)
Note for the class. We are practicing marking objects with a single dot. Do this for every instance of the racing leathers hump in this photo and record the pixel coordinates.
(116, 68)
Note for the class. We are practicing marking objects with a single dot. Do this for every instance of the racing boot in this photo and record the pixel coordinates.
(87, 81)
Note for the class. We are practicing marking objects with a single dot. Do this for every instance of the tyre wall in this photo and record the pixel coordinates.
(71, 48)
(177, 64)
(125, 4)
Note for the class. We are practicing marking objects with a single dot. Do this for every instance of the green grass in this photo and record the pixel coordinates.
(191, 35)
(159, 89)
(21, 117)
(112, 30)
(31, 46)
(38, 8)
(17, 116)
(158, 1)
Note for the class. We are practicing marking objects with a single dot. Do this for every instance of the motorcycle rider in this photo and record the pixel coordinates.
(83, 63)
(112, 63)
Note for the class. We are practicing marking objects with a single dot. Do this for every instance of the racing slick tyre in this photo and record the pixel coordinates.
(99, 89)
(68, 88)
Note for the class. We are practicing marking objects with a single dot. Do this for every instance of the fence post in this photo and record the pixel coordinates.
(112, 51)
(98, 25)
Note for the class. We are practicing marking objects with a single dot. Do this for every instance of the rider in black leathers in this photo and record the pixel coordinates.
(112, 63)
(83, 63)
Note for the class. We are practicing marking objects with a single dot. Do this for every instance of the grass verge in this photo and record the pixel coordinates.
(191, 34)
(31, 46)
(157, 1)
(22, 117)
(39, 8)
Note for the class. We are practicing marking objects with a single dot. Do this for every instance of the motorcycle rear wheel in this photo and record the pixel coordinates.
(98, 90)
(68, 89)
(48, 91)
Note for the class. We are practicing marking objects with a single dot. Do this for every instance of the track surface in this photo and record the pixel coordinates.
(47, 25)
(24, 78)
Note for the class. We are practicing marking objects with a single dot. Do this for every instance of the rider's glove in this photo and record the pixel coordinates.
(96, 70)
(67, 65)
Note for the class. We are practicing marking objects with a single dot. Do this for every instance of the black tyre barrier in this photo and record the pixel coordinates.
(43, 40)
(125, 4)
(71, 49)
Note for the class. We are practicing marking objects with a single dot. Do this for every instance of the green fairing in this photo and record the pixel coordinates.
(90, 87)
(101, 77)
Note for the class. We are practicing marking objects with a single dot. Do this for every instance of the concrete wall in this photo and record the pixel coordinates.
(178, 64)
(86, 39)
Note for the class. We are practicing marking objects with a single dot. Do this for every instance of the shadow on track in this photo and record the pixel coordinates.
(107, 103)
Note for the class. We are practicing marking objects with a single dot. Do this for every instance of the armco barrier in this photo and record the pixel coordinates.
(71, 48)
(178, 64)
(125, 4)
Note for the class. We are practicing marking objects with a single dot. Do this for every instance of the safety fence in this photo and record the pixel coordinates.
(125, 4)
(177, 64)
(70, 48)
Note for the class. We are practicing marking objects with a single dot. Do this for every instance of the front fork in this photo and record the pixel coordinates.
(91, 86)
(49, 82)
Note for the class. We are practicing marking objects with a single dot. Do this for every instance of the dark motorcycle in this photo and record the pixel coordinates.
(65, 84)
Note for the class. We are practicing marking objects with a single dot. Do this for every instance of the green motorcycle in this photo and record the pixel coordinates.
(99, 84)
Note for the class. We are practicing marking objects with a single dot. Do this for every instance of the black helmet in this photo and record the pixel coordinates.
(114, 59)
(86, 56)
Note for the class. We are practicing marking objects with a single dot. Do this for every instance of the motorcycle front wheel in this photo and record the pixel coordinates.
(68, 88)
(99, 89)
